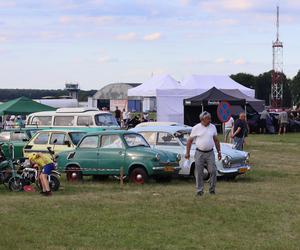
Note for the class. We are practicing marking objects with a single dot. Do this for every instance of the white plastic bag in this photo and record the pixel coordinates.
(186, 163)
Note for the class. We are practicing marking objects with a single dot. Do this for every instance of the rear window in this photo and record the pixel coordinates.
(64, 121)
(41, 120)
(106, 120)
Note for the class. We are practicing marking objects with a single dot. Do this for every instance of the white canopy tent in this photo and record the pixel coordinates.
(147, 90)
(149, 87)
(219, 81)
(170, 101)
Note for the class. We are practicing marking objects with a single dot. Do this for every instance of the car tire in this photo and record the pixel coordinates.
(15, 184)
(206, 175)
(73, 174)
(138, 176)
(54, 183)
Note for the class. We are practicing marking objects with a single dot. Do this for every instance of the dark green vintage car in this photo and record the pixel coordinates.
(17, 138)
(104, 153)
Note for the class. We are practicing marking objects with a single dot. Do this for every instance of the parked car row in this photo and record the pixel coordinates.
(174, 139)
(152, 150)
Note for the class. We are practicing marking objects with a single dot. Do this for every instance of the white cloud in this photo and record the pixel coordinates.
(3, 39)
(7, 4)
(50, 35)
(95, 20)
(152, 37)
(239, 61)
(106, 59)
(184, 2)
(220, 60)
(127, 37)
(231, 5)
(65, 19)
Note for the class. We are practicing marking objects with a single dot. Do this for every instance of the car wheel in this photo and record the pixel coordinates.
(74, 174)
(138, 176)
(206, 175)
(15, 184)
(54, 183)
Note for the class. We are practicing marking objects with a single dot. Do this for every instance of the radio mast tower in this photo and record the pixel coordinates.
(277, 81)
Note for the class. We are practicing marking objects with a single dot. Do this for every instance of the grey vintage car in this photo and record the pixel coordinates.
(174, 138)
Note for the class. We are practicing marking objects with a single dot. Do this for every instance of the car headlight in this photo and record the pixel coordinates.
(247, 158)
(157, 157)
(226, 161)
(178, 157)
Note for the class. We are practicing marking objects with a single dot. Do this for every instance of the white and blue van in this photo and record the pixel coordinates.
(73, 118)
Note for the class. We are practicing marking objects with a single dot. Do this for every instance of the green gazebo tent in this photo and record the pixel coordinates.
(22, 106)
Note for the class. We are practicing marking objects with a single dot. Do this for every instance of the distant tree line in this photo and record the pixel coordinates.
(9, 94)
(262, 85)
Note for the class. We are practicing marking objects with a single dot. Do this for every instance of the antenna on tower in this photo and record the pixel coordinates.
(277, 24)
(277, 81)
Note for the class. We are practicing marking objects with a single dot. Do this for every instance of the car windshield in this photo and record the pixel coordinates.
(76, 136)
(19, 136)
(183, 135)
(135, 140)
(106, 120)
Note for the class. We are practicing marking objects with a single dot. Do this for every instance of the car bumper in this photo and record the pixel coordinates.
(237, 170)
(166, 169)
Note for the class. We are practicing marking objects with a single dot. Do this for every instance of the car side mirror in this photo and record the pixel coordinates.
(25, 139)
(68, 143)
(55, 141)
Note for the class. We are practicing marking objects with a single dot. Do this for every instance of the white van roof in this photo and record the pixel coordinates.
(75, 110)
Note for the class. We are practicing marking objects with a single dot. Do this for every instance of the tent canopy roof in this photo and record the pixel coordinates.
(149, 87)
(218, 81)
(214, 94)
(22, 106)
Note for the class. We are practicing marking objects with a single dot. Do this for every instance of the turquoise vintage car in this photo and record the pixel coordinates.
(104, 153)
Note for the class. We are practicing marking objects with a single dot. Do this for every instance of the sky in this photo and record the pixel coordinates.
(47, 43)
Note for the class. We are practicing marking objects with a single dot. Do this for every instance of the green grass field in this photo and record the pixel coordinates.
(260, 210)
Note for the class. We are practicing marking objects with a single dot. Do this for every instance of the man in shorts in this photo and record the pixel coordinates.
(283, 120)
(45, 166)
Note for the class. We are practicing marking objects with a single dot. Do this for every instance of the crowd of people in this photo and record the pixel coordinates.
(12, 122)
(126, 119)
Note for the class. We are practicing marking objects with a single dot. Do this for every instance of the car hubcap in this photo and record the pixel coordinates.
(139, 178)
(74, 176)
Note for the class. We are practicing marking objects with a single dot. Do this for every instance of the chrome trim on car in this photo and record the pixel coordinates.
(234, 170)
(162, 168)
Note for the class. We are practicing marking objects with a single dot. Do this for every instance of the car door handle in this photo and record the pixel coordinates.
(121, 153)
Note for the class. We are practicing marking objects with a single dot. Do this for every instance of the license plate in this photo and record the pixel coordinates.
(243, 170)
(169, 169)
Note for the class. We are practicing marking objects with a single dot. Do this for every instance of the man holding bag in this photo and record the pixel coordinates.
(205, 136)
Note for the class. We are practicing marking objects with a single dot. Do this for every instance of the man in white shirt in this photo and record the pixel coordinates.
(205, 136)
